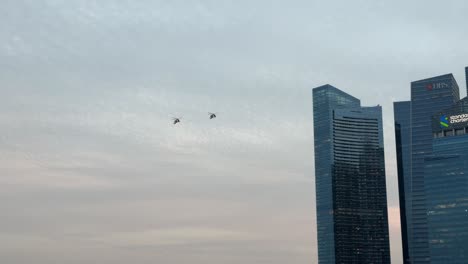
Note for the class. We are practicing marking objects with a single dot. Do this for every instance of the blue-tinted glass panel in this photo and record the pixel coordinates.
(428, 97)
(325, 99)
(446, 184)
(352, 219)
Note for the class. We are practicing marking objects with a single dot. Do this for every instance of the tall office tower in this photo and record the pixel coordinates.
(352, 220)
(428, 97)
(446, 185)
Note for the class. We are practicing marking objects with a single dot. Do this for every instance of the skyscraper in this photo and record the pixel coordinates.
(446, 185)
(414, 143)
(352, 220)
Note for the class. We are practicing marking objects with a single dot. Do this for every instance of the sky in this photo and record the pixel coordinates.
(93, 171)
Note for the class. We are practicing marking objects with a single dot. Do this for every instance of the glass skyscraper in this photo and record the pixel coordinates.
(446, 178)
(415, 143)
(352, 220)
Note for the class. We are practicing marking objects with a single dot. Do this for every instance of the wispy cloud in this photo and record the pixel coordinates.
(173, 237)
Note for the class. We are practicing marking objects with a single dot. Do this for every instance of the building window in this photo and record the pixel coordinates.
(460, 131)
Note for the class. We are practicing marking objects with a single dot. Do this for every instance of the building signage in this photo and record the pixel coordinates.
(444, 121)
(432, 86)
(455, 119)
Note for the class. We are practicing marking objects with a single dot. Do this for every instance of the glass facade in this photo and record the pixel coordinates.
(326, 99)
(352, 220)
(427, 97)
(446, 178)
(414, 140)
(447, 203)
(403, 146)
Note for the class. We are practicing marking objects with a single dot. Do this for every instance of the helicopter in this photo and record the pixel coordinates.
(176, 120)
(212, 115)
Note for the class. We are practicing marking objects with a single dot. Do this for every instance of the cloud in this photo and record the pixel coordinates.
(87, 149)
(173, 237)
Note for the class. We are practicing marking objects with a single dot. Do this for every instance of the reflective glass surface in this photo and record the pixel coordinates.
(427, 97)
(446, 179)
(352, 219)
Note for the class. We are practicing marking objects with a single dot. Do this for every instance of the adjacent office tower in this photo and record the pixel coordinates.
(446, 185)
(352, 220)
(414, 139)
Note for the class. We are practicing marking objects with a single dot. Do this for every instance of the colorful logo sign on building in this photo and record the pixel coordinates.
(433, 86)
(444, 121)
(462, 118)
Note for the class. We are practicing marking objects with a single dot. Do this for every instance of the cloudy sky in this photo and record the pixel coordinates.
(92, 171)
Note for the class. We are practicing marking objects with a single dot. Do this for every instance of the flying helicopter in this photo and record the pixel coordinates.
(212, 115)
(176, 120)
